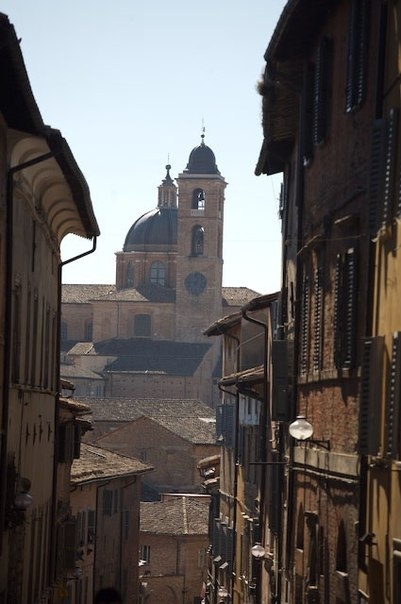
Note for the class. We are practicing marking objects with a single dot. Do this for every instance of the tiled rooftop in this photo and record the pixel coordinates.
(190, 419)
(175, 515)
(96, 463)
(73, 293)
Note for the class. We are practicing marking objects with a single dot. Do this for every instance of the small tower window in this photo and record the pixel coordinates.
(130, 275)
(198, 199)
(197, 240)
(157, 273)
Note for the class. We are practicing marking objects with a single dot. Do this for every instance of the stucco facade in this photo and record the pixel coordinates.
(44, 197)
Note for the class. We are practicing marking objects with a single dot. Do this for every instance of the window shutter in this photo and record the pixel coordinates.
(230, 548)
(321, 97)
(376, 174)
(280, 394)
(393, 400)
(304, 326)
(107, 502)
(357, 54)
(369, 399)
(389, 169)
(350, 308)
(307, 112)
(91, 526)
(228, 410)
(318, 320)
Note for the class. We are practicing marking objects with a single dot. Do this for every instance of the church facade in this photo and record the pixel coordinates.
(144, 335)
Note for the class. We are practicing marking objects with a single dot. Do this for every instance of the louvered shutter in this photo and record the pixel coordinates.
(280, 392)
(350, 309)
(318, 319)
(307, 112)
(370, 395)
(394, 400)
(355, 91)
(389, 166)
(230, 548)
(321, 93)
(304, 326)
(376, 175)
(337, 344)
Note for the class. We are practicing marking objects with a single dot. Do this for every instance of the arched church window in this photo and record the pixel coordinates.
(142, 326)
(157, 273)
(198, 199)
(198, 233)
(130, 275)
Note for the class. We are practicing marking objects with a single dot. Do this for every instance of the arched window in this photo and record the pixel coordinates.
(130, 275)
(198, 233)
(142, 326)
(198, 199)
(157, 273)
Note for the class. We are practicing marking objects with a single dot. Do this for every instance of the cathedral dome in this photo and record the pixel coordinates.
(202, 160)
(155, 228)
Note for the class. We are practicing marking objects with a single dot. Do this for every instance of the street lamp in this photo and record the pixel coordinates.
(258, 551)
(302, 430)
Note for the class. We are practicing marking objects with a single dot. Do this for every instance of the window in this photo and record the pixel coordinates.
(396, 570)
(355, 90)
(88, 331)
(318, 317)
(157, 273)
(130, 275)
(394, 400)
(64, 330)
(313, 528)
(198, 199)
(382, 174)
(345, 299)
(16, 346)
(145, 553)
(341, 554)
(197, 240)
(107, 502)
(370, 395)
(142, 325)
(322, 92)
(305, 309)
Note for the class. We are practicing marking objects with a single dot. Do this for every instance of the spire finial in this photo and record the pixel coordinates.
(203, 132)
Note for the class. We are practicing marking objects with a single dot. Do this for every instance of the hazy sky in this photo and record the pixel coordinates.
(129, 85)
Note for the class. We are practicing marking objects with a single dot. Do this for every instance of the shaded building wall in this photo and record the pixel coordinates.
(177, 568)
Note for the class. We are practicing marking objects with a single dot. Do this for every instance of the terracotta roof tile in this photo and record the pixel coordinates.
(96, 463)
(176, 515)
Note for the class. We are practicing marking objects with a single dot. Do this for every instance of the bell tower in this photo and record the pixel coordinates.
(199, 244)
